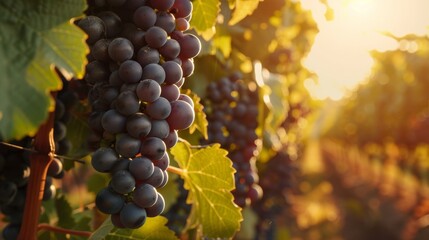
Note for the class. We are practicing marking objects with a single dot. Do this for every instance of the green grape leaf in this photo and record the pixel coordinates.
(35, 36)
(153, 229)
(209, 178)
(242, 9)
(204, 14)
(64, 212)
(200, 122)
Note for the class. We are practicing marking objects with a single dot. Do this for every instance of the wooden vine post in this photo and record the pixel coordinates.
(44, 147)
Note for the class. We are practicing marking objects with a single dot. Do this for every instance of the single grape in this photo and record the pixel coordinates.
(127, 146)
(144, 17)
(97, 71)
(156, 37)
(112, 22)
(166, 21)
(113, 122)
(157, 208)
(122, 182)
(173, 72)
(141, 168)
(99, 50)
(103, 159)
(171, 140)
(153, 148)
(156, 179)
(148, 90)
(130, 71)
(160, 129)
(187, 99)
(55, 167)
(170, 92)
(138, 125)
(190, 46)
(93, 26)
(187, 67)
(114, 79)
(147, 55)
(182, 24)
(145, 196)
(181, 8)
(154, 71)
(120, 49)
(109, 202)
(121, 164)
(162, 163)
(170, 50)
(127, 103)
(60, 131)
(182, 115)
(159, 109)
(132, 216)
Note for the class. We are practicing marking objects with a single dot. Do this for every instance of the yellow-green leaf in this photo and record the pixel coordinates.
(209, 178)
(243, 8)
(35, 37)
(200, 122)
(204, 14)
(153, 229)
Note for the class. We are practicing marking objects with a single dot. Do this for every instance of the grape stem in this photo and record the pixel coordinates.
(175, 170)
(47, 227)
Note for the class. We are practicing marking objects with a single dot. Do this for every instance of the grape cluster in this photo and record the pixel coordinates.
(276, 180)
(179, 211)
(232, 112)
(139, 58)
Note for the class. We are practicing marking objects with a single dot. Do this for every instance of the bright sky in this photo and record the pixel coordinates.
(340, 54)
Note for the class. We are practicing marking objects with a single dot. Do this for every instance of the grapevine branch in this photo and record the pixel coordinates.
(175, 170)
(47, 227)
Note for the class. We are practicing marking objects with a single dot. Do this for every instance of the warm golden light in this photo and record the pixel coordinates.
(340, 55)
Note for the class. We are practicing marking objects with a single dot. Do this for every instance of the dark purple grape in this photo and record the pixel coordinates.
(122, 182)
(127, 103)
(115, 80)
(103, 159)
(171, 139)
(159, 109)
(190, 46)
(156, 179)
(134, 4)
(97, 71)
(137, 38)
(153, 148)
(109, 202)
(116, 220)
(132, 216)
(170, 92)
(120, 49)
(138, 125)
(166, 21)
(182, 115)
(180, 83)
(182, 24)
(8, 190)
(113, 122)
(144, 17)
(160, 129)
(181, 8)
(148, 90)
(130, 71)
(187, 99)
(147, 55)
(11, 231)
(145, 196)
(60, 131)
(156, 37)
(170, 50)
(141, 168)
(108, 94)
(93, 26)
(155, 72)
(187, 67)
(157, 208)
(55, 167)
(162, 163)
(127, 146)
(112, 22)
(173, 72)
(161, 5)
(121, 164)
(165, 181)
(99, 50)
